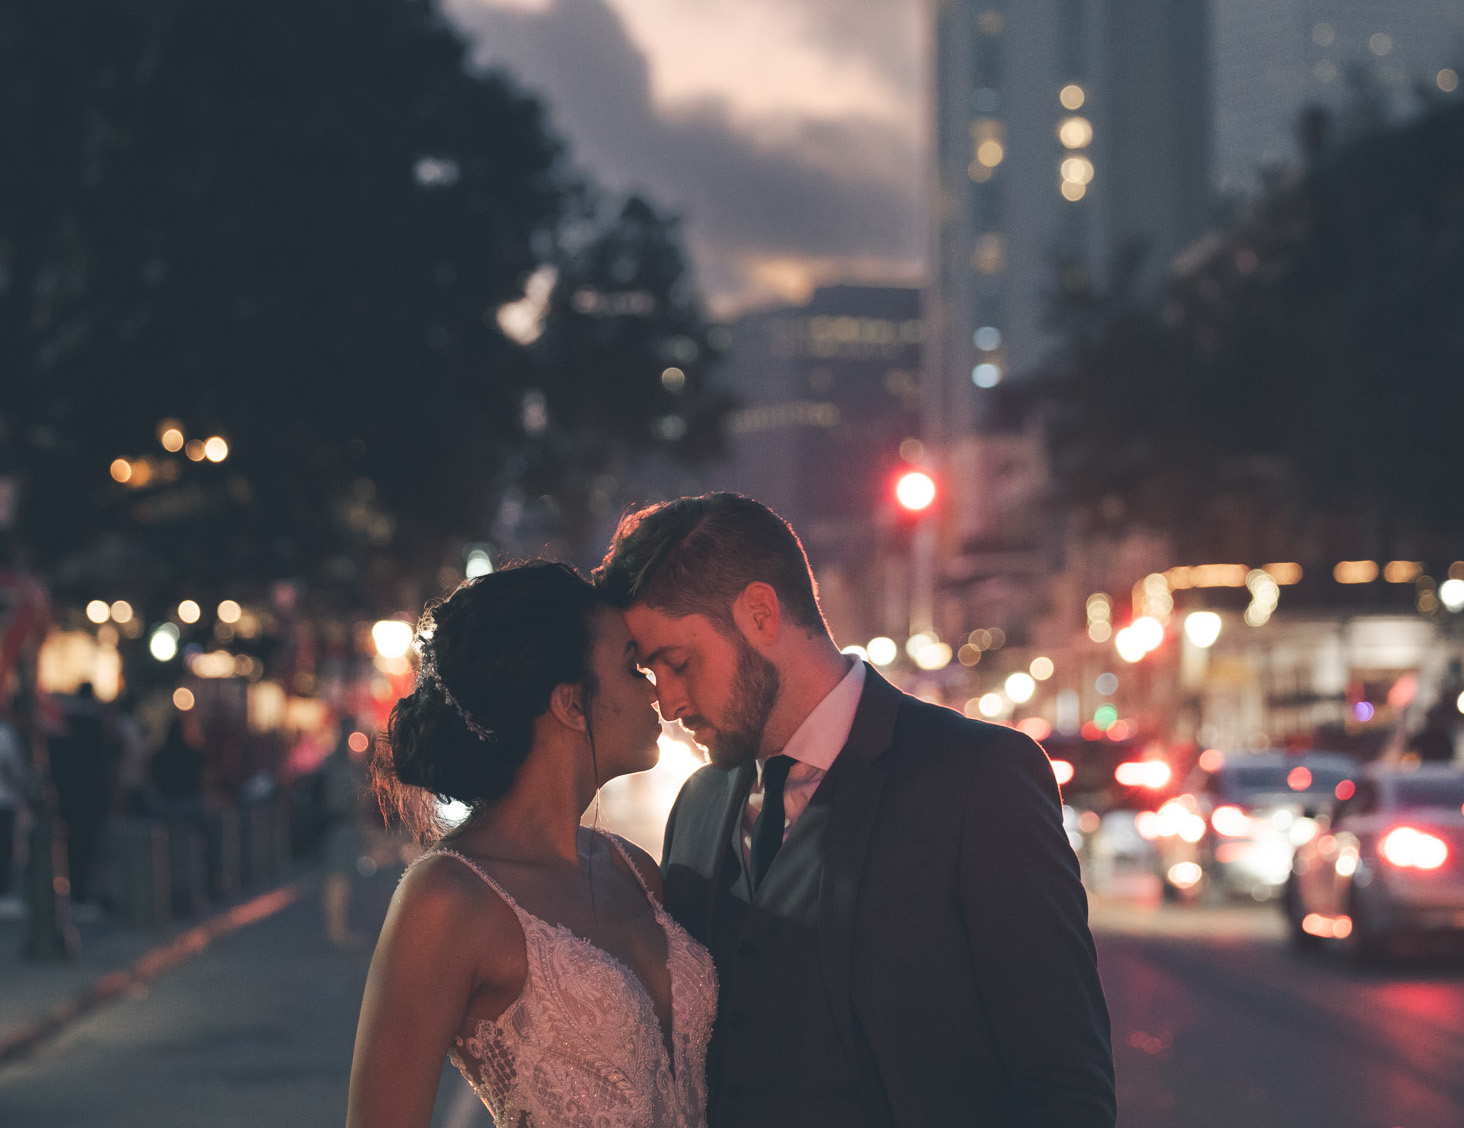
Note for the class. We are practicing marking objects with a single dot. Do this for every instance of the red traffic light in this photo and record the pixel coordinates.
(915, 490)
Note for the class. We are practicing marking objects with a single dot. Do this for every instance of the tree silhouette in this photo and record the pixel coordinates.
(291, 225)
(1298, 386)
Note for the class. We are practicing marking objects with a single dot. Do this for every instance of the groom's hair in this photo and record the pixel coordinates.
(695, 555)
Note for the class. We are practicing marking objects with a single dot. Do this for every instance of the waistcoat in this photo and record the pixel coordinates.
(776, 1058)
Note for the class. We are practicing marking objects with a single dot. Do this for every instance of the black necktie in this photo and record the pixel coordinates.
(767, 832)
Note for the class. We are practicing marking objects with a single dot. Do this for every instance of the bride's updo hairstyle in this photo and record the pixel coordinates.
(491, 654)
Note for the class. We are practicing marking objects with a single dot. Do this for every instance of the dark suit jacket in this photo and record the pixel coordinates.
(952, 927)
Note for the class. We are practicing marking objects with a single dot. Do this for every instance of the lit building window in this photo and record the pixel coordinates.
(1324, 34)
(1447, 80)
(1073, 191)
(986, 338)
(1072, 96)
(986, 375)
(987, 143)
(1077, 170)
(1075, 132)
(989, 254)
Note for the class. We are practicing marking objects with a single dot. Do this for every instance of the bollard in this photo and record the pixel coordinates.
(51, 935)
(231, 867)
(187, 868)
(146, 873)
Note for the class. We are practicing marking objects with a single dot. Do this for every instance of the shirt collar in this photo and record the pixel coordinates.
(825, 730)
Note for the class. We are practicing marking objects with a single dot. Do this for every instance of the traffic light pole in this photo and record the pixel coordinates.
(922, 573)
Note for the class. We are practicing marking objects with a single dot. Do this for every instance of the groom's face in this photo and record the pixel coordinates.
(719, 687)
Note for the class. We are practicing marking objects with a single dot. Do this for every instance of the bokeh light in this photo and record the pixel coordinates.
(170, 435)
(915, 490)
(882, 650)
(392, 638)
(1075, 132)
(162, 644)
(1202, 628)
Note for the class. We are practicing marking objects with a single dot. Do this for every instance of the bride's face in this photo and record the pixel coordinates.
(622, 711)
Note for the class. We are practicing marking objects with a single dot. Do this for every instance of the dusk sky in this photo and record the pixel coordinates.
(787, 133)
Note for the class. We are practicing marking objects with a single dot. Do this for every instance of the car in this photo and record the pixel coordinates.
(1238, 819)
(1388, 863)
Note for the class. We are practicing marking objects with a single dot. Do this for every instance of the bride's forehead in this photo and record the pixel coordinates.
(608, 628)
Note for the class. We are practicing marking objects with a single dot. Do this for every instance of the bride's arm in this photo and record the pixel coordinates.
(447, 942)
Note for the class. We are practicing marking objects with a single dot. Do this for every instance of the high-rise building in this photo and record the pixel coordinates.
(1066, 132)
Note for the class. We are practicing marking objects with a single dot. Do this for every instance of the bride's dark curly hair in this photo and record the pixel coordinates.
(491, 654)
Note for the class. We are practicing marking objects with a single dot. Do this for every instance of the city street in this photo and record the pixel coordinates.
(1216, 1025)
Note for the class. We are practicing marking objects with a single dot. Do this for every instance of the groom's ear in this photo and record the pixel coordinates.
(567, 705)
(758, 614)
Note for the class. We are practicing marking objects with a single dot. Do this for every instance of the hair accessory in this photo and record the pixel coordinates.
(428, 671)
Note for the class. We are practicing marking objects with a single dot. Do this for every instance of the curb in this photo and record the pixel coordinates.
(148, 966)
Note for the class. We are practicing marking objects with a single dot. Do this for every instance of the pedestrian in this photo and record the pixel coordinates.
(347, 804)
(83, 770)
(531, 949)
(13, 774)
(885, 885)
(177, 793)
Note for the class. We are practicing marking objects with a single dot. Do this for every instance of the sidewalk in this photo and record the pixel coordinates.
(247, 1019)
(39, 998)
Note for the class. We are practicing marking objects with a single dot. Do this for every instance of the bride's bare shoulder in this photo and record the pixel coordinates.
(445, 897)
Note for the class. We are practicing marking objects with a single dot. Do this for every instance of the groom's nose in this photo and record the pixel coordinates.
(671, 698)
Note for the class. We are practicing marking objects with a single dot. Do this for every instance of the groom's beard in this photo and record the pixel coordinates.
(754, 693)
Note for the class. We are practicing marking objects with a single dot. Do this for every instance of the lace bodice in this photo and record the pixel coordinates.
(581, 1047)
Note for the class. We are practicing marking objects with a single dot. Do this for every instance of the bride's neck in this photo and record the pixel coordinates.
(538, 820)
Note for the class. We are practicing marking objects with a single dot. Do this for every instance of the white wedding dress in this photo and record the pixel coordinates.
(582, 1047)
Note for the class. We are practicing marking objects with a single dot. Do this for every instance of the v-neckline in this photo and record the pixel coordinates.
(666, 1030)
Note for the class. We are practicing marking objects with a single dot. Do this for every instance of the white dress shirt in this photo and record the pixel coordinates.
(813, 747)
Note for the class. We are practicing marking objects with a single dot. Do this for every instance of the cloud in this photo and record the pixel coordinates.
(772, 201)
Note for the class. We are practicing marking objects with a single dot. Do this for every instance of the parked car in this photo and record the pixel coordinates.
(1233, 828)
(1388, 862)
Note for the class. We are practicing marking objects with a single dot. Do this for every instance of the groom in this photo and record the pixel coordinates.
(886, 888)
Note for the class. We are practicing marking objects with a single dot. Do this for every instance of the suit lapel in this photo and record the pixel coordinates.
(858, 779)
(707, 850)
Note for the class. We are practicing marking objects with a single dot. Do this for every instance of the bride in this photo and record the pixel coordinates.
(532, 951)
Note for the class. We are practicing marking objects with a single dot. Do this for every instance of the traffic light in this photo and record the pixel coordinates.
(915, 491)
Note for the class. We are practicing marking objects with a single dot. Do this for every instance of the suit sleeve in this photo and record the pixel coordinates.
(1026, 914)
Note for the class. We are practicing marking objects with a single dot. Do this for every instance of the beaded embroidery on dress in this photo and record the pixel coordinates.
(582, 1047)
